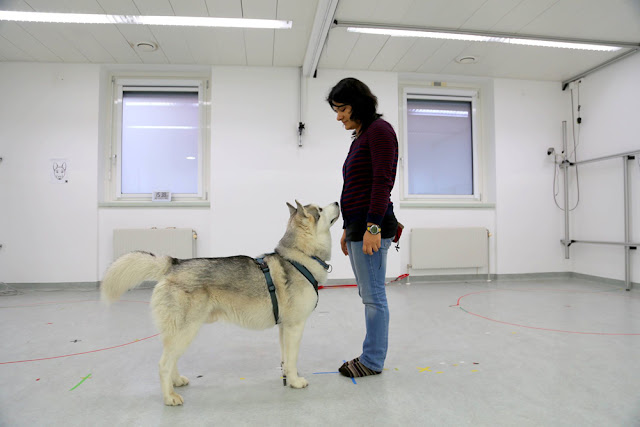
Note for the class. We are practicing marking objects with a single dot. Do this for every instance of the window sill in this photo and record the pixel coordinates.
(149, 204)
(445, 204)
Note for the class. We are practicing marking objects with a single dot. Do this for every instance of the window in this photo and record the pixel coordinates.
(159, 140)
(441, 146)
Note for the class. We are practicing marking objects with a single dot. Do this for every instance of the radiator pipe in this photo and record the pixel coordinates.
(488, 257)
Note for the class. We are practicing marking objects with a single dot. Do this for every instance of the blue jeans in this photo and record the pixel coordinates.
(370, 273)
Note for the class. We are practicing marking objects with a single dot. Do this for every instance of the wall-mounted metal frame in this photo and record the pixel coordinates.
(631, 51)
(627, 244)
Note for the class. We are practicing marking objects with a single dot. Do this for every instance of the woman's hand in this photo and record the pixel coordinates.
(371, 243)
(343, 242)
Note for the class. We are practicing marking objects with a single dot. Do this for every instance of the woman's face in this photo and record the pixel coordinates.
(343, 112)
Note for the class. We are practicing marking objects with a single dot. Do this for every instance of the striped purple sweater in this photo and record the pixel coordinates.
(369, 173)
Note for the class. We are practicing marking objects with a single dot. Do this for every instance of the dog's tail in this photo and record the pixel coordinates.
(129, 271)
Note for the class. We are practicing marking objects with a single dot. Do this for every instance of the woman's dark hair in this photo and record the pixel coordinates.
(363, 103)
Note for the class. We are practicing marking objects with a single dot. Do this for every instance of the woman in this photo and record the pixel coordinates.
(369, 223)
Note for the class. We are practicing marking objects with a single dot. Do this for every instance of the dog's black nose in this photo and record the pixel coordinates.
(336, 203)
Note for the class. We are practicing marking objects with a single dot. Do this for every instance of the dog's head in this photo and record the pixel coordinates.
(309, 228)
(59, 170)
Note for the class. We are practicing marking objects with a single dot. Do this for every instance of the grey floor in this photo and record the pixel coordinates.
(505, 353)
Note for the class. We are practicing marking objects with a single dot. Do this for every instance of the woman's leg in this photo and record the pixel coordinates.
(370, 271)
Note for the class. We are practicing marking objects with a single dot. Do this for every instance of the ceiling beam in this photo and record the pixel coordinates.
(322, 23)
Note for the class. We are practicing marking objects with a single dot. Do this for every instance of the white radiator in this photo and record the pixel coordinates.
(175, 242)
(449, 248)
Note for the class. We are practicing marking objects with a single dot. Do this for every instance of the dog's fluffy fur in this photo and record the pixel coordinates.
(203, 290)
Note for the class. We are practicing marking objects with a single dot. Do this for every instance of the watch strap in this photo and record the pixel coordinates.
(377, 229)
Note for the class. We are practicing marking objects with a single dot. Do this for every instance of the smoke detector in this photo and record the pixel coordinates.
(466, 59)
(146, 46)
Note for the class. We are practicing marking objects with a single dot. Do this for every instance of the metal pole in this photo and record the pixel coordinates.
(488, 257)
(565, 163)
(300, 109)
(598, 67)
(602, 242)
(627, 236)
(613, 156)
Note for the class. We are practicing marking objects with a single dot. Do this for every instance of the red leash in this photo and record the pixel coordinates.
(402, 276)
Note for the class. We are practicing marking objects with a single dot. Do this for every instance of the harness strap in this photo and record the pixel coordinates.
(306, 273)
(270, 286)
(323, 264)
(272, 289)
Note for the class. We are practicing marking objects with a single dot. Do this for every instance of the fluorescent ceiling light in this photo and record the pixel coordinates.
(189, 21)
(481, 38)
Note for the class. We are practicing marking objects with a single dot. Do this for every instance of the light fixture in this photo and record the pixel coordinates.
(189, 21)
(478, 37)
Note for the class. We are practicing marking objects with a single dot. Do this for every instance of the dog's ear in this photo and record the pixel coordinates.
(292, 210)
(301, 210)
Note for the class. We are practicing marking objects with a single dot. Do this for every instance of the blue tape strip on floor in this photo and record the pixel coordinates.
(352, 379)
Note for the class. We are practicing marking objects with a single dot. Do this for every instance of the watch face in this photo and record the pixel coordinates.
(374, 229)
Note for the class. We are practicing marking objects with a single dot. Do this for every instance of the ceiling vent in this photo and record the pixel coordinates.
(466, 59)
(146, 46)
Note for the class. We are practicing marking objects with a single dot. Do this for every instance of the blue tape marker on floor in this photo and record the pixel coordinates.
(352, 379)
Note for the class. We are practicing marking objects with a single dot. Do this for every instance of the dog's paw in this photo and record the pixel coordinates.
(298, 382)
(181, 382)
(174, 399)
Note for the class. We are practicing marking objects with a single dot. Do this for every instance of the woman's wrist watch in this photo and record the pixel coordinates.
(373, 229)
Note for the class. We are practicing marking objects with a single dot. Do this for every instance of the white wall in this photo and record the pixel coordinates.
(529, 119)
(257, 165)
(48, 231)
(434, 217)
(57, 233)
(611, 125)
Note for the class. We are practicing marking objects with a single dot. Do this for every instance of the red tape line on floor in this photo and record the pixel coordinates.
(77, 354)
(534, 327)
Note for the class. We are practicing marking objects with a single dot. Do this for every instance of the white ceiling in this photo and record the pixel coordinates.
(605, 20)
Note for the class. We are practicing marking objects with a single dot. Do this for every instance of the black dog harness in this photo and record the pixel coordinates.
(301, 268)
(272, 289)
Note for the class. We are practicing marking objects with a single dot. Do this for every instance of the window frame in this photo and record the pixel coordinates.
(477, 199)
(113, 167)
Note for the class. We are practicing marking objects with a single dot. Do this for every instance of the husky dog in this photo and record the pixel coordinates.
(191, 292)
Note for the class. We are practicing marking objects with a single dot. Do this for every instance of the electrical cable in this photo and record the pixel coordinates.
(575, 144)
(567, 156)
(556, 185)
